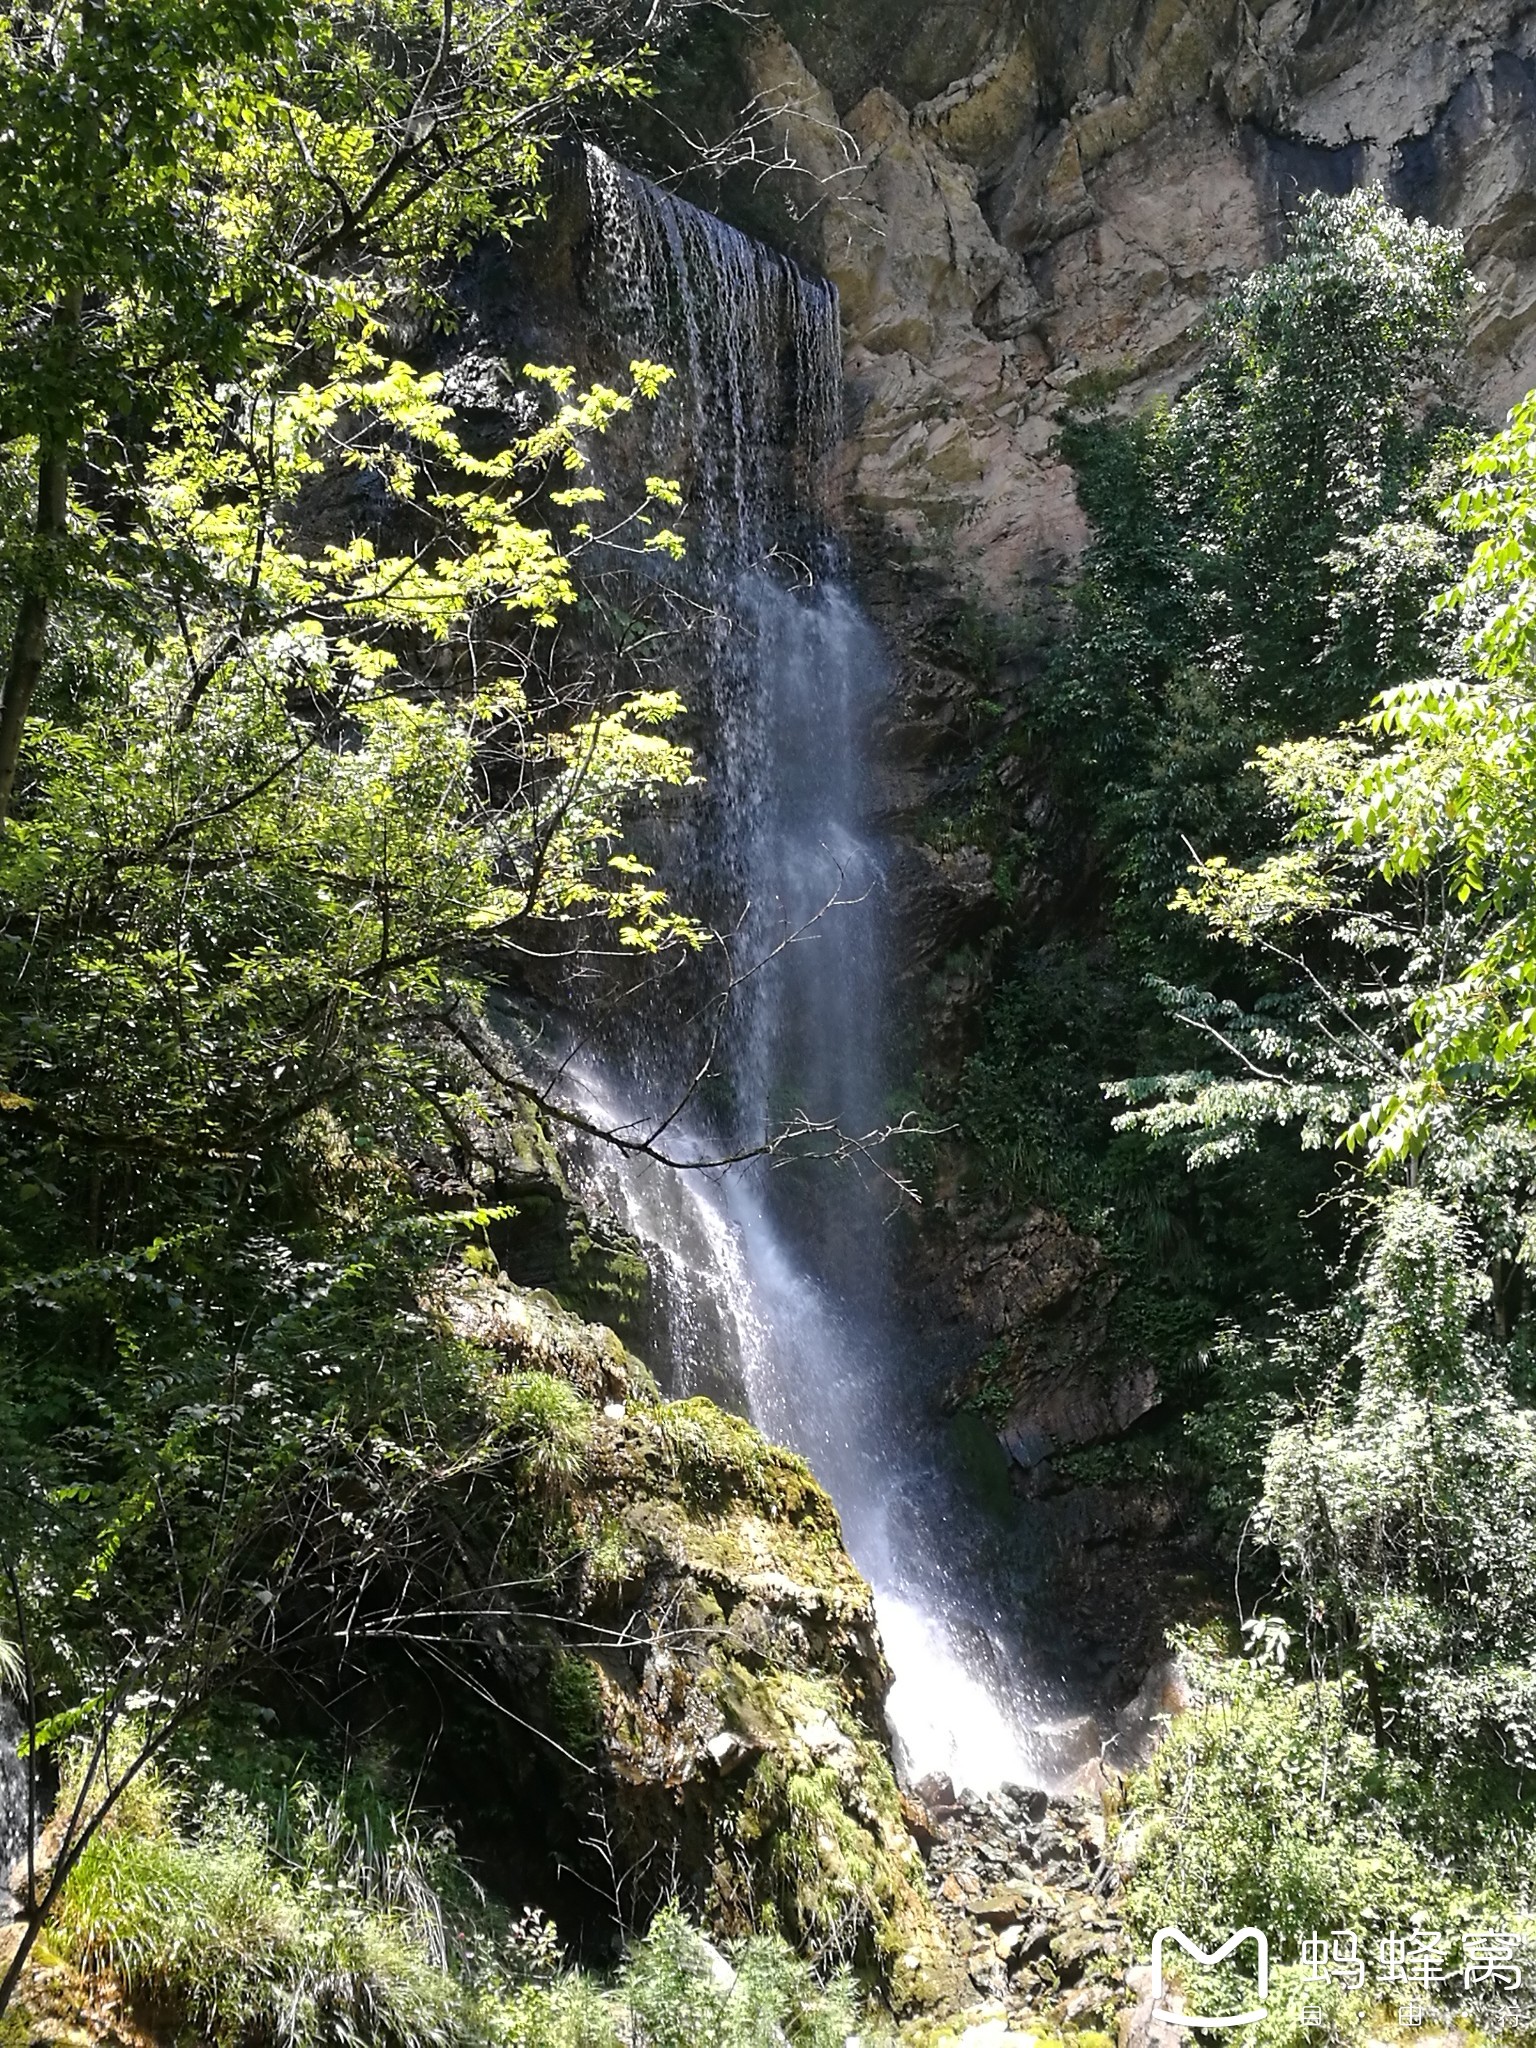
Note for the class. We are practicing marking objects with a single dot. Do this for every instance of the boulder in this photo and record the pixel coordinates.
(669, 1612)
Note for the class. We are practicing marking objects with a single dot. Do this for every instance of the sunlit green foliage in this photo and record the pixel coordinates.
(199, 196)
(1267, 1806)
(1400, 1508)
(207, 1922)
(1237, 590)
(261, 838)
(1270, 1806)
(1401, 911)
(181, 185)
(678, 1994)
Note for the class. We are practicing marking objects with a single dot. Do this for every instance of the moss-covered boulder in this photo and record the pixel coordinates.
(703, 1666)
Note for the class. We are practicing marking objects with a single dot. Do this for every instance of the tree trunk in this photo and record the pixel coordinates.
(29, 642)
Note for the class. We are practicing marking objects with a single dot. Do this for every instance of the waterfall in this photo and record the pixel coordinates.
(775, 1284)
(13, 1804)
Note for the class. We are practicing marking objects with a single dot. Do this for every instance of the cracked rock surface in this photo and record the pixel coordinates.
(1023, 204)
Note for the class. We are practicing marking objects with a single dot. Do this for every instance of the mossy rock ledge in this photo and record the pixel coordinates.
(706, 1671)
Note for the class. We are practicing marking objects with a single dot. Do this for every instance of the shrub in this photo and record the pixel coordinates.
(211, 1927)
(681, 1992)
(1403, 1516)
(1270, 1806)
(1266, 1806)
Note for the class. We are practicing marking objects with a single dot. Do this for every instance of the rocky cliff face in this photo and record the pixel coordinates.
(1022, 204)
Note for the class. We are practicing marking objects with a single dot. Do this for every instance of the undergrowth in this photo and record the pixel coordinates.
(1270, 1805)
(316, 1924)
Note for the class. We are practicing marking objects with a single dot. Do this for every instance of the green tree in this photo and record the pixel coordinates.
(300, 773)
(264, 869)
(108, 277)
(1401, 1510)
(1400, 913)
(1235, 592)
(193, 192)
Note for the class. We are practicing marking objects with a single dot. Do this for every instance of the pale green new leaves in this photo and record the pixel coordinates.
(246, 590)
(321, 735)
(1451, 801)
(228, 463)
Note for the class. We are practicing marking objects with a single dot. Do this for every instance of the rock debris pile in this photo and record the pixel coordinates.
(1025, 1889)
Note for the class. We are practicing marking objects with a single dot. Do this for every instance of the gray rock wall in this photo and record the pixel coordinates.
(1023, 201)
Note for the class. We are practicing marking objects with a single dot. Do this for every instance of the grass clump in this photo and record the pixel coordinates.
(255, 1949)
(576, 1701)
(328, 1924)
(545, 1423)
(678, 1991)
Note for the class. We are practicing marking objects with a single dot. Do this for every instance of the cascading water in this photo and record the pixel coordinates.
(775, 1286)
(13, 1802)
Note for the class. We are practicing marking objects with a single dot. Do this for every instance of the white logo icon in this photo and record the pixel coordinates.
(1219, 1955)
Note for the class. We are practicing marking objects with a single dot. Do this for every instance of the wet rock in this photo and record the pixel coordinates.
(1014, 1878)
(1037, 1295)
(1066, 1745)
(1032, 1801)
(1075, 1413)
(1138, 2028)
(1074, 1949)
(56, 2006)
(501, 1157)
(987, 1972)
(947, 898)
(1003, 1908)
(1141, 1725)
(728, 1750)
(937, 1793)
(920, 1824)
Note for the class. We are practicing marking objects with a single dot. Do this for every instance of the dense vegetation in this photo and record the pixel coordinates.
(290, 771)
(1299, 680)
(330, 1919)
